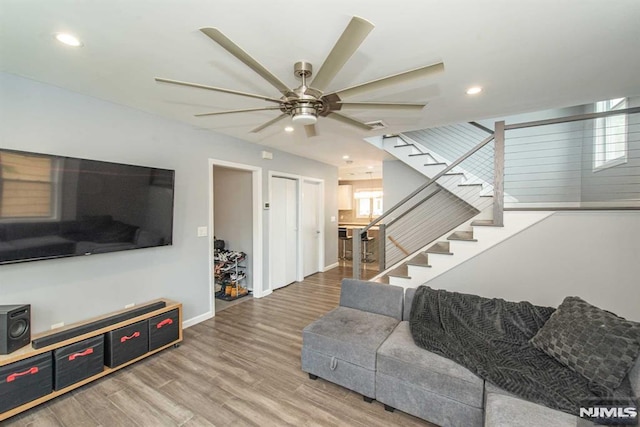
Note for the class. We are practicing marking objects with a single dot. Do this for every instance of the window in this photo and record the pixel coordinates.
(368, 203)
(610, 143)
(26, 186)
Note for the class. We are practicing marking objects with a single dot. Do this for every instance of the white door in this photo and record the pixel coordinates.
(284, 229)
(310, 227)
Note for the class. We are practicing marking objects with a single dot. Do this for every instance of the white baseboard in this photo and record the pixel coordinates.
(329, 267)
(264, 294)
(195, 320)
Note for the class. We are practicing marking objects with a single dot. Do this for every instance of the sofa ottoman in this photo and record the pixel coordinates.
(341, 346)
(425, 384)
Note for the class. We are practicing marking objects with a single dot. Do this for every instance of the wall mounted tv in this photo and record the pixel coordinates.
(53, 206)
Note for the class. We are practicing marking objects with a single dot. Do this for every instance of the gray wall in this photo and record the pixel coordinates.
(233, 213)
(593, 255)
(398, 181)
(42, 118)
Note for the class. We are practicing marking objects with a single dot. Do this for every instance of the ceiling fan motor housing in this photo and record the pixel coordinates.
(304, 114)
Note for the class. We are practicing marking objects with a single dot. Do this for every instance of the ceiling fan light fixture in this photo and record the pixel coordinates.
(474, 90)
(288, 129)
(304, 115)
(68, 39)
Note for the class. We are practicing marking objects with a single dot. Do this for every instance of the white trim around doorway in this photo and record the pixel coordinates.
(256, 189)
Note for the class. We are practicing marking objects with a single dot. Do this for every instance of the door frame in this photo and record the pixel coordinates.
(300, 179)
(256, 204)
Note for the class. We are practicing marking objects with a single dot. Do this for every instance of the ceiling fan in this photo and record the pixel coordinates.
(308, 101)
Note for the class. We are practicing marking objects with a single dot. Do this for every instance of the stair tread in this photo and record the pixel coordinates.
(484, 223)
(453, 173)
(420, 260)
(435, 164)
(466, 236)
(469, 185)
(403, 145)
(402, 272)
(441, 248)
(419, 154)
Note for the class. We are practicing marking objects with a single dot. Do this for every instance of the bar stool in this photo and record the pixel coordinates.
(365, 242)
(344, 237)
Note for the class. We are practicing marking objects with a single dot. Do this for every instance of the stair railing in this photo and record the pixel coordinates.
(405, 207)
(578, 162)
(505, 141)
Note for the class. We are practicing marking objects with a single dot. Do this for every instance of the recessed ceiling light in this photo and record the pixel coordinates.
(345, 157)
(369, 167)
(288, 129)
(474, 90)
(68, 39)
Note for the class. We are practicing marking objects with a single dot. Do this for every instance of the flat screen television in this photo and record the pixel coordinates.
(54, 206)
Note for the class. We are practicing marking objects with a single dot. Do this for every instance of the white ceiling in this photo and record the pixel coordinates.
(527, 54)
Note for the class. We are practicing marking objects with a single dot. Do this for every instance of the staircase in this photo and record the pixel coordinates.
(453, 248)
(459, 212)
(462, 183)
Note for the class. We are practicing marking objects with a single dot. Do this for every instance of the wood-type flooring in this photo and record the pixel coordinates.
(240, 368)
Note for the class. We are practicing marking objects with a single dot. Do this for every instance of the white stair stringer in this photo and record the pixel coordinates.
(430, 166)
(485, 237)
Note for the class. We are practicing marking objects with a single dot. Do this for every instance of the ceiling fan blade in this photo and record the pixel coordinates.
(348, 120)
(380, 106)
(350, 40)
(391, 80)
(217, 36)
(269, 123)
(244, 110)
(217, 89)
(310, 130)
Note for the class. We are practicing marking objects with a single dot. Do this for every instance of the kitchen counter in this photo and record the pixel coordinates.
(351, 226)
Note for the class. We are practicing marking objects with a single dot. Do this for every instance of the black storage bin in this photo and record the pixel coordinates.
(24, 381)
(78, 361)
(124, 344)
(163, 329)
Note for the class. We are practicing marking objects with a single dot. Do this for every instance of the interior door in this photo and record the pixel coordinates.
(284, 229)
(310, 227)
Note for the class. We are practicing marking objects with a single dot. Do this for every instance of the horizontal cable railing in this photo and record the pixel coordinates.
(454, 199)
(579, 162)
(450, 197)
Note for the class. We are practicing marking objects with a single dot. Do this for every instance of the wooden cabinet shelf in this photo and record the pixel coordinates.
(28, 351)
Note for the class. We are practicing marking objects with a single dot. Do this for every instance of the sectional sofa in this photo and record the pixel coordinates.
(365, 345)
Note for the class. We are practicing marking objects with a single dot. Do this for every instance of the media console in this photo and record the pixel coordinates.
(61, 361)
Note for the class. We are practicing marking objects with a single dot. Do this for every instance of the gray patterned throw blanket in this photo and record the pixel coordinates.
(490, 337)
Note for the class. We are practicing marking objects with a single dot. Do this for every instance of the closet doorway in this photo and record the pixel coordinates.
(296, 228)
(235, 214)
(311, 227)
(284, 231)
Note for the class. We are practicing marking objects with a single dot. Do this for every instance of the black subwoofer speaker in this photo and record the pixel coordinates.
(15, 327)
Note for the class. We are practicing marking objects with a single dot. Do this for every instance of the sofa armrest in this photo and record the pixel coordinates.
(409, 293)
(377, 298)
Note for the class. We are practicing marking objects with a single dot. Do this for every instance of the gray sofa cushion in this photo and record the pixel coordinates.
(593, 342)
(509, 411)
(409, 293)
(373, 297)
(349, 334)
(400, 358)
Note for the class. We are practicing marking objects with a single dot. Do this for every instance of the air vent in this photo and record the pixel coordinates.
(377, 124)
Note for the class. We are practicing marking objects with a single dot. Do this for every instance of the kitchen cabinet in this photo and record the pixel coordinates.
(345, 197)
